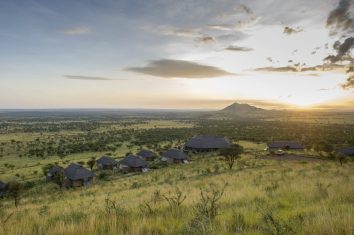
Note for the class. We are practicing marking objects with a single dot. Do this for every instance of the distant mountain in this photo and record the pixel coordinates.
(241, 108)
(245, 110)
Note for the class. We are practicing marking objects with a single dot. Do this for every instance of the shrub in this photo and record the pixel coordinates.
(175, 199)
(114, 208)
(103, 176)
(208, 206)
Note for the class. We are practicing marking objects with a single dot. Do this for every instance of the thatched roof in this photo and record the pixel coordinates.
(77, 172)
(146, 153)
(107, 161)
(208, 142)
(285, 144)
(55, 169)
(133, 161)
(349, 151)
(175, 154)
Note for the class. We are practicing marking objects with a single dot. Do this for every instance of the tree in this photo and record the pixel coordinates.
(46, 168)
(91, 163)
(324, 146)
(14, 191)
(231, 154)
(59, 178)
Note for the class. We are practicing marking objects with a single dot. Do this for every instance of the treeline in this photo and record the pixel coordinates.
(309, 134)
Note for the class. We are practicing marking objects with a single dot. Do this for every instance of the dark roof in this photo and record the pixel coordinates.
(2, 185)
(55, 169)
(175, 154)
(285, 144)
(146, 153)
(77, 172)
(349, 151)
(208, 142)
(107, 161)
(133, 161)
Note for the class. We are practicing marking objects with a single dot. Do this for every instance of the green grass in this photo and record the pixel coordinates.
(27, 166)
(262, 197)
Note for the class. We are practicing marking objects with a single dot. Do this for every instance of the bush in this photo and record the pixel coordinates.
(175, 199)
(104, 176)
(208, 206)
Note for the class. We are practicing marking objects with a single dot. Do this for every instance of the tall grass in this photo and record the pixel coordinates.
(261, 197)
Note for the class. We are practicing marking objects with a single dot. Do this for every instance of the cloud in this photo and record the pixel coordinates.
(311, 75)
(240, 17)
(205, 39)
(343, 50)
(243, 9)
(237, 48)
(325, 67)
(79, 77)
(349, 83)
(168, 68)
(289, 31)
(350, 80)
(343, 54)
(298, 68)
(224, 27)
(236, 24)
(340, 19)
(76, 31)
(232, 37)
(277, 69)
(168, 30)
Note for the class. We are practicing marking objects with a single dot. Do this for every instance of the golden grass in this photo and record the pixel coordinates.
(313, 198)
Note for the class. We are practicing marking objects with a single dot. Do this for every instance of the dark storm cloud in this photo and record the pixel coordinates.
(168, 68)
(340, 19)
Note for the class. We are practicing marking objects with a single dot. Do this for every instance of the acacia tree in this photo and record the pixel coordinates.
(14, 191)
(231, 154)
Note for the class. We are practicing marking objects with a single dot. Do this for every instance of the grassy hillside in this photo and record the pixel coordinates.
(261, 197)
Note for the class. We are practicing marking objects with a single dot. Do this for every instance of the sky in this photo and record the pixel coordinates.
(200, 54)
